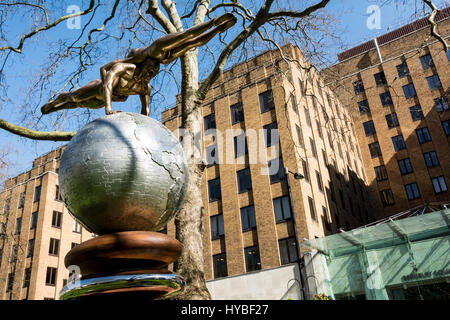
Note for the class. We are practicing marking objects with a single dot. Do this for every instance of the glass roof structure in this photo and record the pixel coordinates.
(391, 233)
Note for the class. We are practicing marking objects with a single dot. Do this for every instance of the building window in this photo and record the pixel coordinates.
(248, 219)
(409, 90)
(21, 200)
(271, 133)
(288, 250)
(244, 180)
(426, 61)
(416, 112)
(358, 87)
(214, 190)
(380, 79)
(374, 149)
(305, 170)
(412, 191)
(446, 127)
(220, 265)
(312, 209)
(369, 128)
(439, 184)
(217, 230)
(50, 279)
(210, 122)
(27, 277)
(240, 145)
(56, 219)
(381, 173)
(434, 82)
(30, 250)
(405, 166)
(386, 99)
(58, 194)
(293, 103)
(307, 117)
(387, 198)
(212, 156)
(76, 226)
(363, 107)
(431, 159)
(319, 129)
(37, 193)
(282, 209)
(237, 113)
(277, 172)
(313, 148)
(54, 247)
(252, 260)
(18, 225)
(423, 135)
(34, 220)
(266, 101)
(319, 181)
(392, 120)
(441, 104)
(299, 135)
(402, 70)
(398, 142)
(10, 285)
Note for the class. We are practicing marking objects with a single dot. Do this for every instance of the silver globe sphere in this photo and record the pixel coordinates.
(123, 172)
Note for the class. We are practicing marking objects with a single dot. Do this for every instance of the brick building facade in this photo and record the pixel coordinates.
(248, 221)
(396, 88)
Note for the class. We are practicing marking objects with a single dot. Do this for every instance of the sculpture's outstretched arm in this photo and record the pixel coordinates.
(111, 80)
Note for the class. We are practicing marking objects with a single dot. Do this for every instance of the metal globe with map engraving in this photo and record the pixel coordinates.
(123, 172)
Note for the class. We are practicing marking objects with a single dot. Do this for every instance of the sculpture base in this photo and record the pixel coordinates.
(124, 265)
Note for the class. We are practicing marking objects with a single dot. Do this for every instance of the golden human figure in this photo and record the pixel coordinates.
(131, 75)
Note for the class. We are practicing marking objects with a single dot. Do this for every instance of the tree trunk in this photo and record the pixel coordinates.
(189, 220)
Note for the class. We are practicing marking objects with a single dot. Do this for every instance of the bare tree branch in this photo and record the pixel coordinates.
(158, 15)
(18, 49)
(434, 32)
(36, 135)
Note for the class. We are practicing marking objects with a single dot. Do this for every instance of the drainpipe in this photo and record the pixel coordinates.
(302, 282)
(378, 50)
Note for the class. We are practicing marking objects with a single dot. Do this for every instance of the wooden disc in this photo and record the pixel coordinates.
(124, 251)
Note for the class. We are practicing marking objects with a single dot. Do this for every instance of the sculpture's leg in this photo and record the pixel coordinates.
(145, 101)
(196, 42)
(111, 80)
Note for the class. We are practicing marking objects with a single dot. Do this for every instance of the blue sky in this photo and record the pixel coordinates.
(352, 21)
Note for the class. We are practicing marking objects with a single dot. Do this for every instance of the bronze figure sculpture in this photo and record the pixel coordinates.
(131, 75)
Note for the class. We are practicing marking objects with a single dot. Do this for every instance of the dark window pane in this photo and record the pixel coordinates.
(409, 90)
(214, 190)
(369, 128)
(50, 279)
(244, 180)
(363, 106)
(431, 159)
(276, 170)
(402, 70)
(412, 191)
(441, 104)
(282, 208)
(358, 87)
(312, 208)
(423, 135)
(305, 170)
(392, 120)
(446, 127)
(288, 250)
(34, 219)
(217, 229)
(374, 149)
(210, 122)
(434, 82)
(271, 133)
(37, 194)
(386, 99)
(252, 260)
(220, 265)
(381, 173)
(380, 79)
(266, 101)
(439, 184)
(237, 113)
(240, 145)
(248, 218)
(22, 200)
(416, 113)
(56, 219)
(212, 155)
(426, 61)
(398, 142)
(387, 198)
(405, 166)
